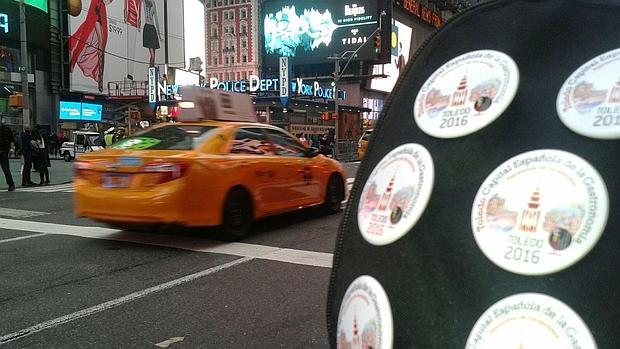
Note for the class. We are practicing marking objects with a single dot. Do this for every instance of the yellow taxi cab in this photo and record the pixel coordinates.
(201, 173)
(362, 145)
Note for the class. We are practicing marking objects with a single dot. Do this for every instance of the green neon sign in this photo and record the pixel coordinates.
(40, 4)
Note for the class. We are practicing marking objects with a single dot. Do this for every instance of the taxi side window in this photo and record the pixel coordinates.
(250, 141)
(285, 145)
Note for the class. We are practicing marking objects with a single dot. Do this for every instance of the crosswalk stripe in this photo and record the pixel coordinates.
(67, 188)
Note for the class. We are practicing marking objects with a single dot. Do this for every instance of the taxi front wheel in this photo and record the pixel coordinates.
(334, 194)
(238, 217)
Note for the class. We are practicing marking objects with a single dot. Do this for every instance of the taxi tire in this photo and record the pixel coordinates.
(334, 194)
(238, 215)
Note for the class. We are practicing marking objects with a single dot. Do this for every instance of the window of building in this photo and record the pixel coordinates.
(226, 15)
(232, 60)
(215, 60)
(226, 60)
(213, 16)
(243, 13)
(238, 76)
(244, 43)
(244, 29)
(244, 58)
(214, 32)
(221, 76)
(232, 14)
(213, 3)
(245, 75)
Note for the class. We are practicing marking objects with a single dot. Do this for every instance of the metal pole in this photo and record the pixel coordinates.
(166, 34)
(24, 65)
(336, 78)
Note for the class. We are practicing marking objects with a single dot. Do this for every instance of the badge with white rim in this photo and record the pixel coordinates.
(589, 101)
(466, 94)
(396, 194)
(365, 317)
(540, 212)
(530, 321)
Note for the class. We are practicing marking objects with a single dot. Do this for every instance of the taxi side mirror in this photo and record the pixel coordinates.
(312, 152)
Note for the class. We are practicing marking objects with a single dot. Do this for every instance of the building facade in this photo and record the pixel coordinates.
(231, 39)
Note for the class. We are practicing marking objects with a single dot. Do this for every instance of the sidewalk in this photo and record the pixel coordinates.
(60, 172)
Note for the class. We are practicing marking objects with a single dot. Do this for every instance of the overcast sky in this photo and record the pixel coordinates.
(194, 31)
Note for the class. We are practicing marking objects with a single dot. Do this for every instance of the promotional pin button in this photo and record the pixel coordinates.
(530, 321)
(589, 101)
(365, 317)
(396, 194)
(466, 94)
(540, 212)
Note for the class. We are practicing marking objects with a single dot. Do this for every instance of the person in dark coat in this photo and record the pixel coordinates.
(40, 157)
(6, 145)
(27, 157)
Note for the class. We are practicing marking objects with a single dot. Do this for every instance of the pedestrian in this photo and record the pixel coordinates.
(40, 157)
(54, 146)
(7, 144)
(26, 157)
(302, 139)
(108, 137)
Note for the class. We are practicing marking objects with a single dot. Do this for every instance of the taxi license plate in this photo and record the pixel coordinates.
(116, 181)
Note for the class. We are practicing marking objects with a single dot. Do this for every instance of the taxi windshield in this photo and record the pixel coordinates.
(171, 137)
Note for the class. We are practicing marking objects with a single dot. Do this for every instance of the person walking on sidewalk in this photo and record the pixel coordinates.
(40, 157)
(27, 157)
(6, 145)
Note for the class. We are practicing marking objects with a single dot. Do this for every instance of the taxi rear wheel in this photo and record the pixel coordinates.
(238, 216)
(334, 194)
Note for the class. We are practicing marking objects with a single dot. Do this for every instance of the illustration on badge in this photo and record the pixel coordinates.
(395, 194)
(589, 101)
(365, 316)
(540, 212)
(466, 94)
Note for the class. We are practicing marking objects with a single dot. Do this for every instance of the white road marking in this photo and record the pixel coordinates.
(64, 188)
(21, 238)
(116, 302)
(167, 342)
(13, 213)
(286, 255)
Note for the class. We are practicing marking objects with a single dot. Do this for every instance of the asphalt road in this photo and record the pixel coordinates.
(73, 283)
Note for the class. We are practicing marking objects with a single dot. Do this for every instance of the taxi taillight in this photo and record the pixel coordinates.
(167, 171)
(81, 167)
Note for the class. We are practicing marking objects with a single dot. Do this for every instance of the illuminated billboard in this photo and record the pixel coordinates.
(400, 53)
(309, 31)
(76, 111)
(40, 4)
(117, 40)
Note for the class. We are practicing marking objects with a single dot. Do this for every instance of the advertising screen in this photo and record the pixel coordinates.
(400, 48)
(309, 31)
(70, 110)
(117, 40)
(37, 23)
(40, 4)
(76, 111)
(91, 112)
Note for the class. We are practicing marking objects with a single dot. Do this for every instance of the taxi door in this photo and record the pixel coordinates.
(302, 185)
(253, 154)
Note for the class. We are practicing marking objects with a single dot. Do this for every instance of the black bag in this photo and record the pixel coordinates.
(489, 233)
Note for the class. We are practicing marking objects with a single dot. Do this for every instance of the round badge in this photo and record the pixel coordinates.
(365, 317)
(540, 212)
(589, 101)
(396, 194)
(466, 94)
(530, 321)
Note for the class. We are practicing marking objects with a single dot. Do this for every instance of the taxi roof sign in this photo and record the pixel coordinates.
(200, 104)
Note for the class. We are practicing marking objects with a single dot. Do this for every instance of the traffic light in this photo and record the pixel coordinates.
(377, 43)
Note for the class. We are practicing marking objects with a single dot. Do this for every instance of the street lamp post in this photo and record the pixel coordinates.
(338, 74)
(24, 66)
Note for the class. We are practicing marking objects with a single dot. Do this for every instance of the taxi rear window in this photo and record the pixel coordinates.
(172, 137)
